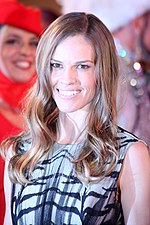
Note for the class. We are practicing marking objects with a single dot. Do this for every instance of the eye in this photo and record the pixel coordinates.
(56, 65)
(12, 41)
(83, 66)
(33, 43)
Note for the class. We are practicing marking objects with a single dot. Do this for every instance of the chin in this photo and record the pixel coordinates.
(22, 79)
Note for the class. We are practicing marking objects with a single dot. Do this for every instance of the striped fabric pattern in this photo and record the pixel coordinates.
(57, 197)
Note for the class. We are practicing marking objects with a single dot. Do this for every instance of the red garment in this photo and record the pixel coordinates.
(11, 93)
(16, 14)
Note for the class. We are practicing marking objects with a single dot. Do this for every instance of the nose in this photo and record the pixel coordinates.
(69, 76)
(26, 49)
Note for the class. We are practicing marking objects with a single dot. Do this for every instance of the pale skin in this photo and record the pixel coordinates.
(17, 53)
(73, 95)
(135, 185)
(73, 85)
(17, 63)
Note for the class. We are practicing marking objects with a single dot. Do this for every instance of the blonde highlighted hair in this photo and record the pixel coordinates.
(100, 148)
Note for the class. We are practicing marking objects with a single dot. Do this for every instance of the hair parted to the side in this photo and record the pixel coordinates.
(99, 155)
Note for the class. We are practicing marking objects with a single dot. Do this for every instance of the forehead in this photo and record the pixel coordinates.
(74, 46)
(7, 30)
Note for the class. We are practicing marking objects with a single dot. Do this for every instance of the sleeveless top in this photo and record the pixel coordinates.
(57, 197)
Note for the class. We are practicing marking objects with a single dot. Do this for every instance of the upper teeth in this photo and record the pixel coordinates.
(68, 93)
(23, 64)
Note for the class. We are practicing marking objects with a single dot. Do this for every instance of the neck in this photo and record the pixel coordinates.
(72, 127)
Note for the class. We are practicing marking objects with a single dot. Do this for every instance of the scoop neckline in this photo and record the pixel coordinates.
(68, 144)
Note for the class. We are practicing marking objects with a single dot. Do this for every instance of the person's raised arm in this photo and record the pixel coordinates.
(7, 190)
(135, 185)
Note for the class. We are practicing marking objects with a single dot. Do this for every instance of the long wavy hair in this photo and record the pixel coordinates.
(99, 155)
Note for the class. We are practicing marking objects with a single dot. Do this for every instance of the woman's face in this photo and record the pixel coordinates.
(72, 74)
(17, 53)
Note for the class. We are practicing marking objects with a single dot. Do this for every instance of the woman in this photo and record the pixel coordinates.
(129, 22)
(18, 42)
(73, 165)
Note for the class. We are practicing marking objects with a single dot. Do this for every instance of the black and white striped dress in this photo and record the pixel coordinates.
(58, 197)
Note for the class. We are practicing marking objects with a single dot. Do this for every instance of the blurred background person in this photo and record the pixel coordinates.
(48, 16)
(20, 28)
(50, 10)
(129, 21)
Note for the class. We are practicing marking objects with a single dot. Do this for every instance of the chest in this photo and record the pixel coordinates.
(57, 196)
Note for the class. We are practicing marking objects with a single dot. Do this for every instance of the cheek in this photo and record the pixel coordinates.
(91, 83)
(33, 52)
(53, 78)
(91, 87)
(93, 90)
(4, 58)
(52, 83)
(7, 53)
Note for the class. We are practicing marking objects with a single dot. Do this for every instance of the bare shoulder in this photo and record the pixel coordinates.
(138, 146)
(138, 154)
(136, 162)
(134, 184)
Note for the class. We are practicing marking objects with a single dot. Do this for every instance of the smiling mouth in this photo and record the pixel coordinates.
(23, 64)
(68, 93)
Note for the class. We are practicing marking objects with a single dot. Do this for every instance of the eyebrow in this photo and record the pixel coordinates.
(11, 35)
(82, 61)
(55, 60)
